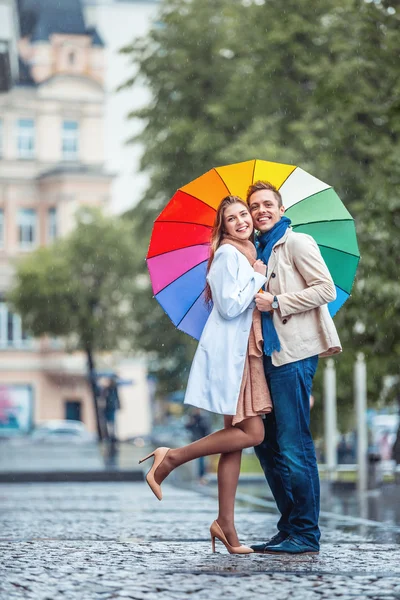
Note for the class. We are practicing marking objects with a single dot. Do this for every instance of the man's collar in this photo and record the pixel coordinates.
(282, 240)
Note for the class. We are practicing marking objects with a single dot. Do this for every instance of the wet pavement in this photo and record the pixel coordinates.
(22, 454)
(115, 540)
(23, 459)
(376, 513)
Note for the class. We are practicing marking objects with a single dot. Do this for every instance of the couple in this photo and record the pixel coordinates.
(255, 363)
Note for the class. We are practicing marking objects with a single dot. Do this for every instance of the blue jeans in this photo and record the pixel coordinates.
(287, 454)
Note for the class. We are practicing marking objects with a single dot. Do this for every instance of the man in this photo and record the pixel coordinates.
(297, 328)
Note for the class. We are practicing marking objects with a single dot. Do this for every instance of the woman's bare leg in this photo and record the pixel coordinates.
(228, 477)
(246, 434)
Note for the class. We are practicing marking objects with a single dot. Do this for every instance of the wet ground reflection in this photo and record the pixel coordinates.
(375, 514)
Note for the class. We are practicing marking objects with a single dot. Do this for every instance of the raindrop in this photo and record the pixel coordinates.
(226, 53)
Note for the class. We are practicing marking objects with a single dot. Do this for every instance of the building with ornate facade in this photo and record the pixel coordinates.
(52, 161)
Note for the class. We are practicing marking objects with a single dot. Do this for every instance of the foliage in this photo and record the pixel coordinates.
(78, 287)
(314, 84)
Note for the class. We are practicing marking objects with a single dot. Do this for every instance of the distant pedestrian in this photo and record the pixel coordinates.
(344, 451)
(396, 448)
(385, 447)
(199, 427)
(111, 405)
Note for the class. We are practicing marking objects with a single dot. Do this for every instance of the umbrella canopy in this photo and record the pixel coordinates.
(179, 246)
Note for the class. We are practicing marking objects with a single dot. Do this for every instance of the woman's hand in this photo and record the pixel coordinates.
(260, 267)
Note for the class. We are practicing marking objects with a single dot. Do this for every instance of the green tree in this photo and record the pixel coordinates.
(80, 287)
(312, 84)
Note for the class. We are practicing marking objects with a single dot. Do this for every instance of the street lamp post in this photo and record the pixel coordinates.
(360, 393)
(330, 419)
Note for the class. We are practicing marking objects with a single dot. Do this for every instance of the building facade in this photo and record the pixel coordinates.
(52, 155)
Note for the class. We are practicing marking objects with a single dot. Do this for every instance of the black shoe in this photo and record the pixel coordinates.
(274, 541)
(291, 545)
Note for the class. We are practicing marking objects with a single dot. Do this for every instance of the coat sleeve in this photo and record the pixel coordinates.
(229, 297)
(311, 266)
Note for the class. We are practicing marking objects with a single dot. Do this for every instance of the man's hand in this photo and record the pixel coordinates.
(264, 301)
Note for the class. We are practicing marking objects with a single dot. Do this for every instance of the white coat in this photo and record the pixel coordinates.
(217, 369)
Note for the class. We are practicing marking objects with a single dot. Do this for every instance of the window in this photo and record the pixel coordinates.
(1, 228)
(70, 134)
(52, 224)
(27, 225)
(11, 333)
(71, 58)
(26, 138)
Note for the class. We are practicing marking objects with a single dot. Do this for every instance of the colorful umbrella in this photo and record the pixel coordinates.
(179, 246)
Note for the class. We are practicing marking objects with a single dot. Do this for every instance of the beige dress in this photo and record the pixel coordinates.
(254, 396)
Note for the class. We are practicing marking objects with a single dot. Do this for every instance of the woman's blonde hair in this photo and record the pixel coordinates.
(218, 232)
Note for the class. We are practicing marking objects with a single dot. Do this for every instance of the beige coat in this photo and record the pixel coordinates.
(299, 277)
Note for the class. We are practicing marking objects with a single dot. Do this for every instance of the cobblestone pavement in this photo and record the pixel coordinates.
(116, 541)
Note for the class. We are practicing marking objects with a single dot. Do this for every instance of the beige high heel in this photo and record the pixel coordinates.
(159, 455)
(216, 532)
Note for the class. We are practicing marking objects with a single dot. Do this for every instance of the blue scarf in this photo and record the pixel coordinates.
(264, 244)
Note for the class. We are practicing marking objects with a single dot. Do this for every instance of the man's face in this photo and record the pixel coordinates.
(265, 210)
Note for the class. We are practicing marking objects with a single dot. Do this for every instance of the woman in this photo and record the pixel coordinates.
(227, 375)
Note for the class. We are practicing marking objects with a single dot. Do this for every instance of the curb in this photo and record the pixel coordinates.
(69, 476)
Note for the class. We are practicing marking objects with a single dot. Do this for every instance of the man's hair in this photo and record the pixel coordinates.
(263, 185)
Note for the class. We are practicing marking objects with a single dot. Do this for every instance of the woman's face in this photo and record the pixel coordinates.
(238, 222)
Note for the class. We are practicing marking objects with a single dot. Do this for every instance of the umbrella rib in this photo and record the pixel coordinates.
(165, 312)
(254, 170)
(323, 221)
(191, 306)
(176, 279)
(344, 291)
(175, 249)
(198, 224)
(310, 196)
(222, 182)
(290, 174)
(341, 289)
(338, 250)
(191, 196)
(185, 223)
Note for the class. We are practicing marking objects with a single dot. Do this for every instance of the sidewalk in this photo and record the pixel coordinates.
(23, 460)
(116, 541)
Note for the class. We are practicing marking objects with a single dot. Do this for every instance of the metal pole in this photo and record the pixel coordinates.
(330, 418)
(360, 394)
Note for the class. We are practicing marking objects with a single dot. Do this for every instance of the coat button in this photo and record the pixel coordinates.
(273, 274)
(284, 321)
